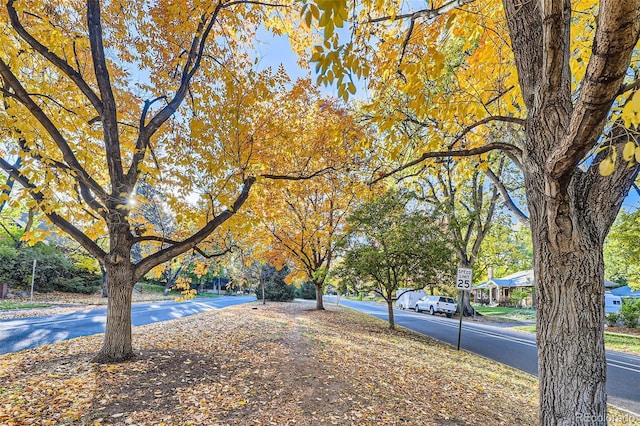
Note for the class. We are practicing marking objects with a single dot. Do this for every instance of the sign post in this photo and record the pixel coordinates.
(463, 283)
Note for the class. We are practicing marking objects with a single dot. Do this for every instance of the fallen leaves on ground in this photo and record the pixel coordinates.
(274, 364)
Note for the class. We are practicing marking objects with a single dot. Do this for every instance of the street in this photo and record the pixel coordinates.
(25, 333)
(513, 348)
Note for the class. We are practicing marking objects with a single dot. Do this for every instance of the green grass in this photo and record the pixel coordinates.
(613, 341)
(6, 305)
(622, 342)
(149, 288)
(511, 313)
(529, 328)
(494, 310)
(208, 295)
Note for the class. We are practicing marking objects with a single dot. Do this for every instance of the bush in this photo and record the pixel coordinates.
(87, 284)
(306, 291)
(54, 271)
(612, 319)
(630, 313)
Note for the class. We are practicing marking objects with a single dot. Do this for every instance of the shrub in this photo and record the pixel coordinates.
(630, 313)
(612, 319)
(54, 271)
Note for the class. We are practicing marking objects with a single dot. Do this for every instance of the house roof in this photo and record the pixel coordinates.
(517, 279)
(524, 279)
(625, 291)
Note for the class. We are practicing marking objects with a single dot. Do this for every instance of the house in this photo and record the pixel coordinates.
(499, 290)
(626, 292)
(496, 290)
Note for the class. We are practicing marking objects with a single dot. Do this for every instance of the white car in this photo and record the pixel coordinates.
(437, 305)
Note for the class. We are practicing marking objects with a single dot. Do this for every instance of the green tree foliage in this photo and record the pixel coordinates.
(393, 244)
(621, 249)
(306, 291)
(506, 249)
(275, 288)
(54, 271)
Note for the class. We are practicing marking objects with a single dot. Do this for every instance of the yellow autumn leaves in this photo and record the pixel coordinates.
(630, 116)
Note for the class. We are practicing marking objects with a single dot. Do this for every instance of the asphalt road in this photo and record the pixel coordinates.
(25, 333)
(513, 348)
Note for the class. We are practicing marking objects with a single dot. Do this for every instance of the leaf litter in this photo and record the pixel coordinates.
(279, 364)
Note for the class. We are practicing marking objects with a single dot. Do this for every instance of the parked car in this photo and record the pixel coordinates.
(437, 305)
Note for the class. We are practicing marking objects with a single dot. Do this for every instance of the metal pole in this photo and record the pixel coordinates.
(33, 277)
(461, 313)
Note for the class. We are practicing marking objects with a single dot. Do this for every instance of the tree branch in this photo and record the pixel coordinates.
(190, 243)
(109, 111)
(486, 120)
(452, 153)
(299, 176)
(424, 13)
(22, 96)
(522, 217)
(58, 62)
(617, 33)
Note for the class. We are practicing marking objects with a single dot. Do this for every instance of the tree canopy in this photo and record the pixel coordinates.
(392, 244)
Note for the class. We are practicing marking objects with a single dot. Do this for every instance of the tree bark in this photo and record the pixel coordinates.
(319, 301)
(571, 210)
(569, 271)
(392, 321)
(117, 346)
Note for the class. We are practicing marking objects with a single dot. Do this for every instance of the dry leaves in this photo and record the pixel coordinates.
(279, 364)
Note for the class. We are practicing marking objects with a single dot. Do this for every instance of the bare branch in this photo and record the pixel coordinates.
(299, 176)
(452, 153)
(522, 217)
(628, 87)
(503, 118)
(424, 13)
(258, 3)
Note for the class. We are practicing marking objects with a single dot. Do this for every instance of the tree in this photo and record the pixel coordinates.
(394, 245)
(565, 73)
(469, 206)
(98, 97)
(302, 221)
(507, 249)
(275, 287)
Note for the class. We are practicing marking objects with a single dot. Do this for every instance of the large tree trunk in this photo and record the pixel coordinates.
(569, 221)
(571, 205)
(319, 302)
(117, 345)
(569, 273)
(119, 269)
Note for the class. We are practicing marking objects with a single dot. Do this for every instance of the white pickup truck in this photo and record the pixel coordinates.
(437, 305)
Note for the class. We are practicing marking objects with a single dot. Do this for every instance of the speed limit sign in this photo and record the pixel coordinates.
(463, 279)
